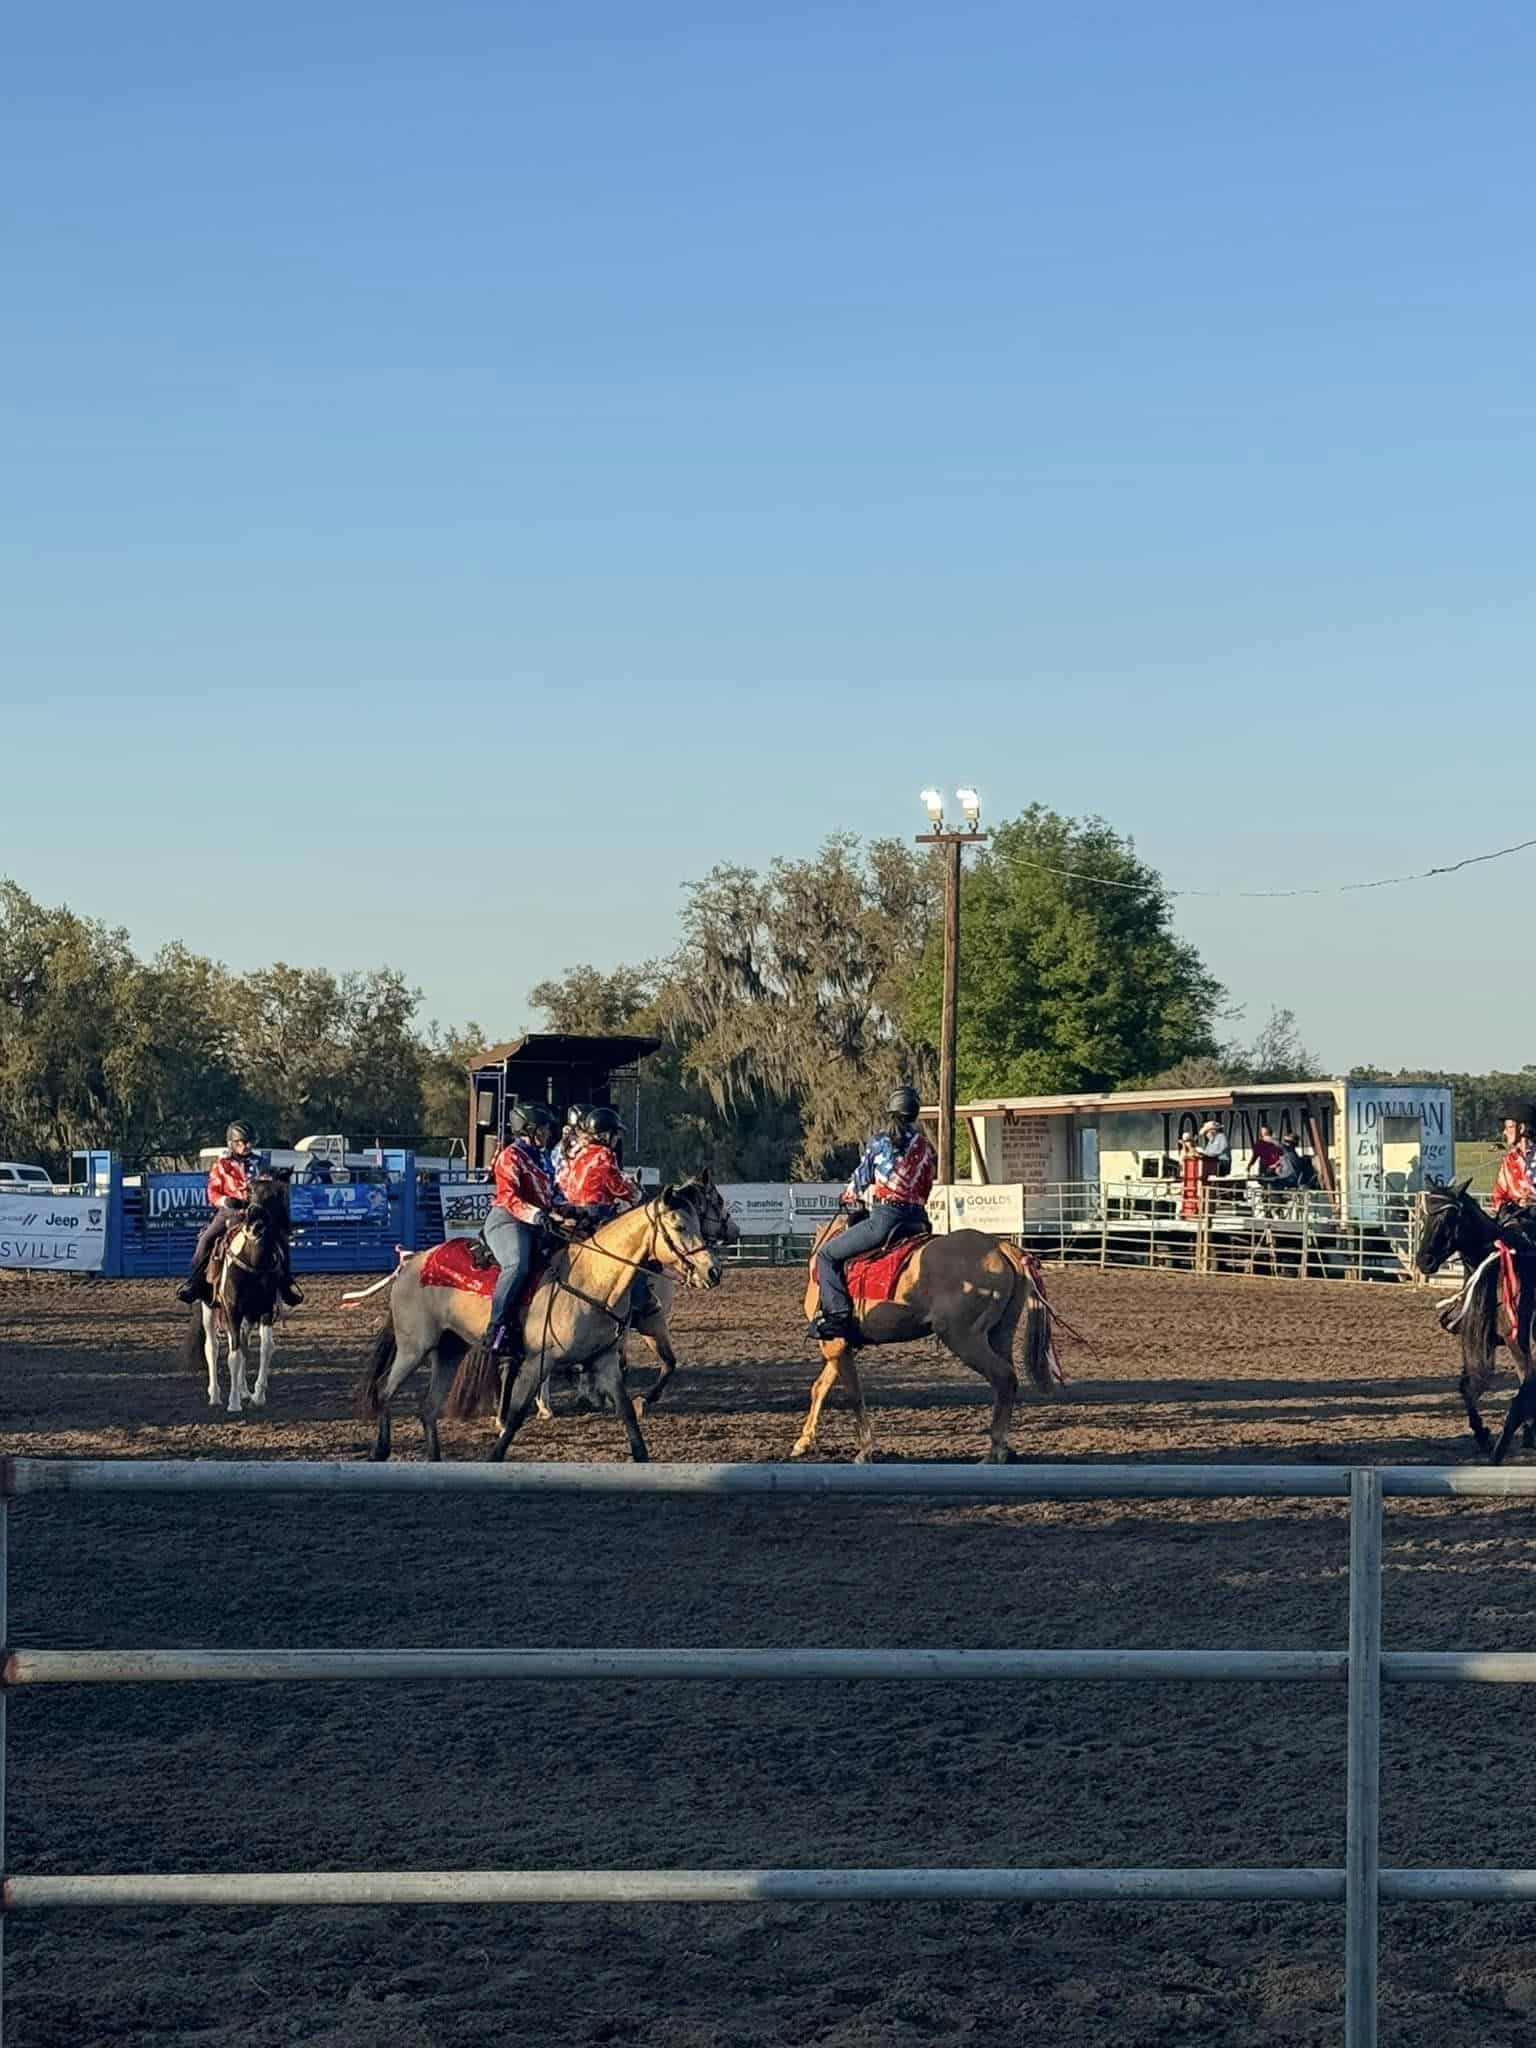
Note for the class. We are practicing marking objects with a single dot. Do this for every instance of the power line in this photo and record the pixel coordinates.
(1321, 889)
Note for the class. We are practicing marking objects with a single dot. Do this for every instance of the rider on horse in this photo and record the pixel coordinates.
(894, 1176)
(230, 1180)
(592, 1181)
(1514, 1192)
(526, 1201)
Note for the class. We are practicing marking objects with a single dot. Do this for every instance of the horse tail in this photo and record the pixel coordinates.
(380, 1359)
(1039, 1357)
(195, 1354)
(476, 1386)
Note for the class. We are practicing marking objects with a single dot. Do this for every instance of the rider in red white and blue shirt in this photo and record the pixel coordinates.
(894, 1177)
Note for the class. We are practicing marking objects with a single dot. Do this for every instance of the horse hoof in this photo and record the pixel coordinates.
(1000, 1454)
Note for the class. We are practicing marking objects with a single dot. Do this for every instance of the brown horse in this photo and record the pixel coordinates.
(968, 1290)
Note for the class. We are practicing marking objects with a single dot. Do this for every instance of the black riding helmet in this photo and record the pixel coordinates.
(238, 1130)
(603, 1126)
(903, 1102)
(528, 1119)
(1519, 1113)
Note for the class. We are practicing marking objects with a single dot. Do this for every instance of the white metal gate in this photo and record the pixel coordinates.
(1363, 1665)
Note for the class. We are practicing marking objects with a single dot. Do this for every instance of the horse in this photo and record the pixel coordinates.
(652, 1321)
(968, 1290)
(245, 1274)
(1456, 1222)
(575, 1316)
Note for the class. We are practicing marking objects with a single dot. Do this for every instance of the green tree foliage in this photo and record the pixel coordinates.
(154, 1057)
(789, 988)
(1276, 1054)
(680, 1127)
(1071, 976)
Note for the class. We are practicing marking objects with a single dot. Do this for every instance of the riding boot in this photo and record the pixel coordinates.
(193, 1288)
(832, 1328)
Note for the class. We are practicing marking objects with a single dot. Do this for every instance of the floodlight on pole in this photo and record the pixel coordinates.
(950, 846)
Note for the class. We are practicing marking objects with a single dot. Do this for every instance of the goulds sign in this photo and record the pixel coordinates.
(63, 1231)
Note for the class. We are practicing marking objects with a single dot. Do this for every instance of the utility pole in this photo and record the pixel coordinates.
(954, 845)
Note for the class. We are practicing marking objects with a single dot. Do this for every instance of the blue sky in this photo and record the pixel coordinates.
(749, 415)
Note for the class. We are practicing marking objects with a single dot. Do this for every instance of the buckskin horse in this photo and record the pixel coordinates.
(244, 1276)
(1495, 1305)
(575, 1315)
(968, 1290)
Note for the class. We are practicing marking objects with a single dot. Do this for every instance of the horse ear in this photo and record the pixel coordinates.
(705, 1177)
(1460, 1187)
(669, 1194)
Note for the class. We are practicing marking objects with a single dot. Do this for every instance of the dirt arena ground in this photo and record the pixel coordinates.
(435, 1776)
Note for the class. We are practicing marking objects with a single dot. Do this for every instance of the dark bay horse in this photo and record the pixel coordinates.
(1455, 1223)
(245, 1276)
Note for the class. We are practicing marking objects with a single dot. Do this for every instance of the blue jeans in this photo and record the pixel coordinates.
(885, 1221)
(511, 1245)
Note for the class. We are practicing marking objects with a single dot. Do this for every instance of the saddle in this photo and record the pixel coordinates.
(466, 1264)
(875, 1276)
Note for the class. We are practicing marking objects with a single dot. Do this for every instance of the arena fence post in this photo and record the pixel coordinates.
(1362, 1883)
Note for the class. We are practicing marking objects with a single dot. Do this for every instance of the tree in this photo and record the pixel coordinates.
(99, 1048)
(443, 1063)
(1071, 976)
(585, 999)
(789, 988)
(326, 1052)
(1277, 1054)
(680, 1126)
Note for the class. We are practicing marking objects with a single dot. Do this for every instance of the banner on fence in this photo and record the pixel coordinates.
(356, 1202)
(972, 1205)
(999, 1209)
(63, 1231)
(466, 1204)
(761, 1208)
(176, 1201)
(811, 1203)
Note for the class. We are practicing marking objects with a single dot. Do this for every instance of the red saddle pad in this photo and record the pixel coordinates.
(874, 1277)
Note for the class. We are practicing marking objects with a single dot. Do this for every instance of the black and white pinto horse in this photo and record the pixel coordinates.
(1456, 1223)
(244, 1277)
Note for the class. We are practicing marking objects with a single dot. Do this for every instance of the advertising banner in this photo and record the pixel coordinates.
(357, 1202)
(67, 1232)
(811, 1203)
(761, 1208)
(466, 1204)
(999, 1210)
(176, 1201)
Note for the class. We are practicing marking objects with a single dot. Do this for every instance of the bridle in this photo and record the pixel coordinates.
(650, 1263)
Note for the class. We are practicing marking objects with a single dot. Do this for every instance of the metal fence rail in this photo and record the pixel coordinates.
(1360, 1884)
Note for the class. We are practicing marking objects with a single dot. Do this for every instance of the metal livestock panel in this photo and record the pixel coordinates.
(1363, 1666)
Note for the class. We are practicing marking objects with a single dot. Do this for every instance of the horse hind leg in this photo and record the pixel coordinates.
(825, 1381)
(977, 1350)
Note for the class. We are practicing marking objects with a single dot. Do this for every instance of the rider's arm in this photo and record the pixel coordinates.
(863, 1177)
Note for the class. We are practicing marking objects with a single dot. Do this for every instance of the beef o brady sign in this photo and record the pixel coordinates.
(62, 1231)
